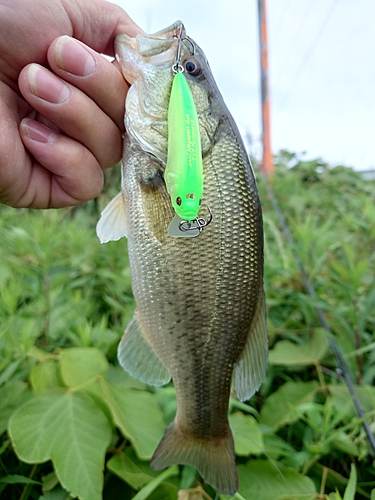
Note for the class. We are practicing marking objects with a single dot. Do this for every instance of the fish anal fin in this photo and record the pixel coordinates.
(250, 368)
(213, 458)
(137, 356)
(112, 223)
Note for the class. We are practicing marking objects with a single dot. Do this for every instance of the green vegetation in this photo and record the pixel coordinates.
(71, 421)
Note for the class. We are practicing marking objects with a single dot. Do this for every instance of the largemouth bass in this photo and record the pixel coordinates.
(200, 316)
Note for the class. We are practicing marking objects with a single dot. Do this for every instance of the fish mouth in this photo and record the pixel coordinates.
(152, 45)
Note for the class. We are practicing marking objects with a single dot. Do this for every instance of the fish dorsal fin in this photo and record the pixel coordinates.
(112, 223)
(138, 357)
(250, 368)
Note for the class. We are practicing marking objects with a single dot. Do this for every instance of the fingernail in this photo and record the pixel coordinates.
(37, 132)
(71, 56)
(47, 86)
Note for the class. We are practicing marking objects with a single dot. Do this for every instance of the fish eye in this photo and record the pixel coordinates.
(192, 67)
(178, 201)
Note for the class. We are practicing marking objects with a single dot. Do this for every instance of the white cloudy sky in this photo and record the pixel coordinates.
(322, 68)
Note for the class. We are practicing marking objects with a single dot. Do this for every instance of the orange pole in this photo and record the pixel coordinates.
(267, 161)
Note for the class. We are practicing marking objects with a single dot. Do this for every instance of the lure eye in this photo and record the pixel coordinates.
(178, 201)
(192, 67)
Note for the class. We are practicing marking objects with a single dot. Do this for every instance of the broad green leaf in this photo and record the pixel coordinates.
(9, 370)
(130, 472)
(281, 407)
(137, 414)
(373, 494)
(276, 447)
(166, 397)
(165, 491)
(341, 396)
(290, 354)
(5, 273)
(270, 480)
(39, 354)
(56, 494)
(44, 376)
(117, 375)
(352, 484)
(237, 496)
(152, 485)
(50, 481)
(4, 446)
(17, 479)
(188, 477)
(247, 435)
(238, 405)
(79, 365)
(343, 442)
(303, 496)
(72, 431)
(12, 396)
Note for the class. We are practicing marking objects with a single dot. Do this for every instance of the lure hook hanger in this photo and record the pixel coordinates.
(198, 223)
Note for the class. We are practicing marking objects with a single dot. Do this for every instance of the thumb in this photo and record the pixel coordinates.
(97, 22)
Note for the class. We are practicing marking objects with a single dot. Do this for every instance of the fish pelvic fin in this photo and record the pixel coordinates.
(213, 458)
(250, 368)
(112, 223)
(138, 357)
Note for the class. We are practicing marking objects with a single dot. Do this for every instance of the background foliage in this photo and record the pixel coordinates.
(68, 412)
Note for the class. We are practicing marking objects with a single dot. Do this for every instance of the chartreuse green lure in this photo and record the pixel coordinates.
(184, 170)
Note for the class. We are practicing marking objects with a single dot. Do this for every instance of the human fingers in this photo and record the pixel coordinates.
(92, 73)
(12, 151)
(27, 29)
(73, 112)
(94, 22)
(60, 173)
(99, 22)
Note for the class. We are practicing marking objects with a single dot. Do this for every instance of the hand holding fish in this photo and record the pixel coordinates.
(59, 126)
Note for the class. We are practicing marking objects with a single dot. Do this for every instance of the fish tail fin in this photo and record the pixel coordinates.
(213, 458)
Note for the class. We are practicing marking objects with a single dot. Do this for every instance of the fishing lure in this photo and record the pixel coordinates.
(184, 170)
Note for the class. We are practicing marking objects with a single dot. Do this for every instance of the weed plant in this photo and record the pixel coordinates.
(73, 424)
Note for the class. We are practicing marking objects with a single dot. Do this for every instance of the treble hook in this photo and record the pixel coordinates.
(198, 223)
(177, 66)
(192, 46)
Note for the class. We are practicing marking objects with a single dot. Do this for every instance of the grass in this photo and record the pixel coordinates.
(65, 301)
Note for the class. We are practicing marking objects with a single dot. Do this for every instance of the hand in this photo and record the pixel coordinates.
(59, 127)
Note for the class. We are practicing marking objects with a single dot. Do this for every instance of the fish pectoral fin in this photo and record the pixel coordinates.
(137, 356)
(112, 223)
(213, 458)
(250, 368)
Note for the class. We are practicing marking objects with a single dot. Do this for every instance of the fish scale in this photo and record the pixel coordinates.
(200, 304)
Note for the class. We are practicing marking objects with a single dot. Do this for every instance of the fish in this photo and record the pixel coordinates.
(200, 316)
